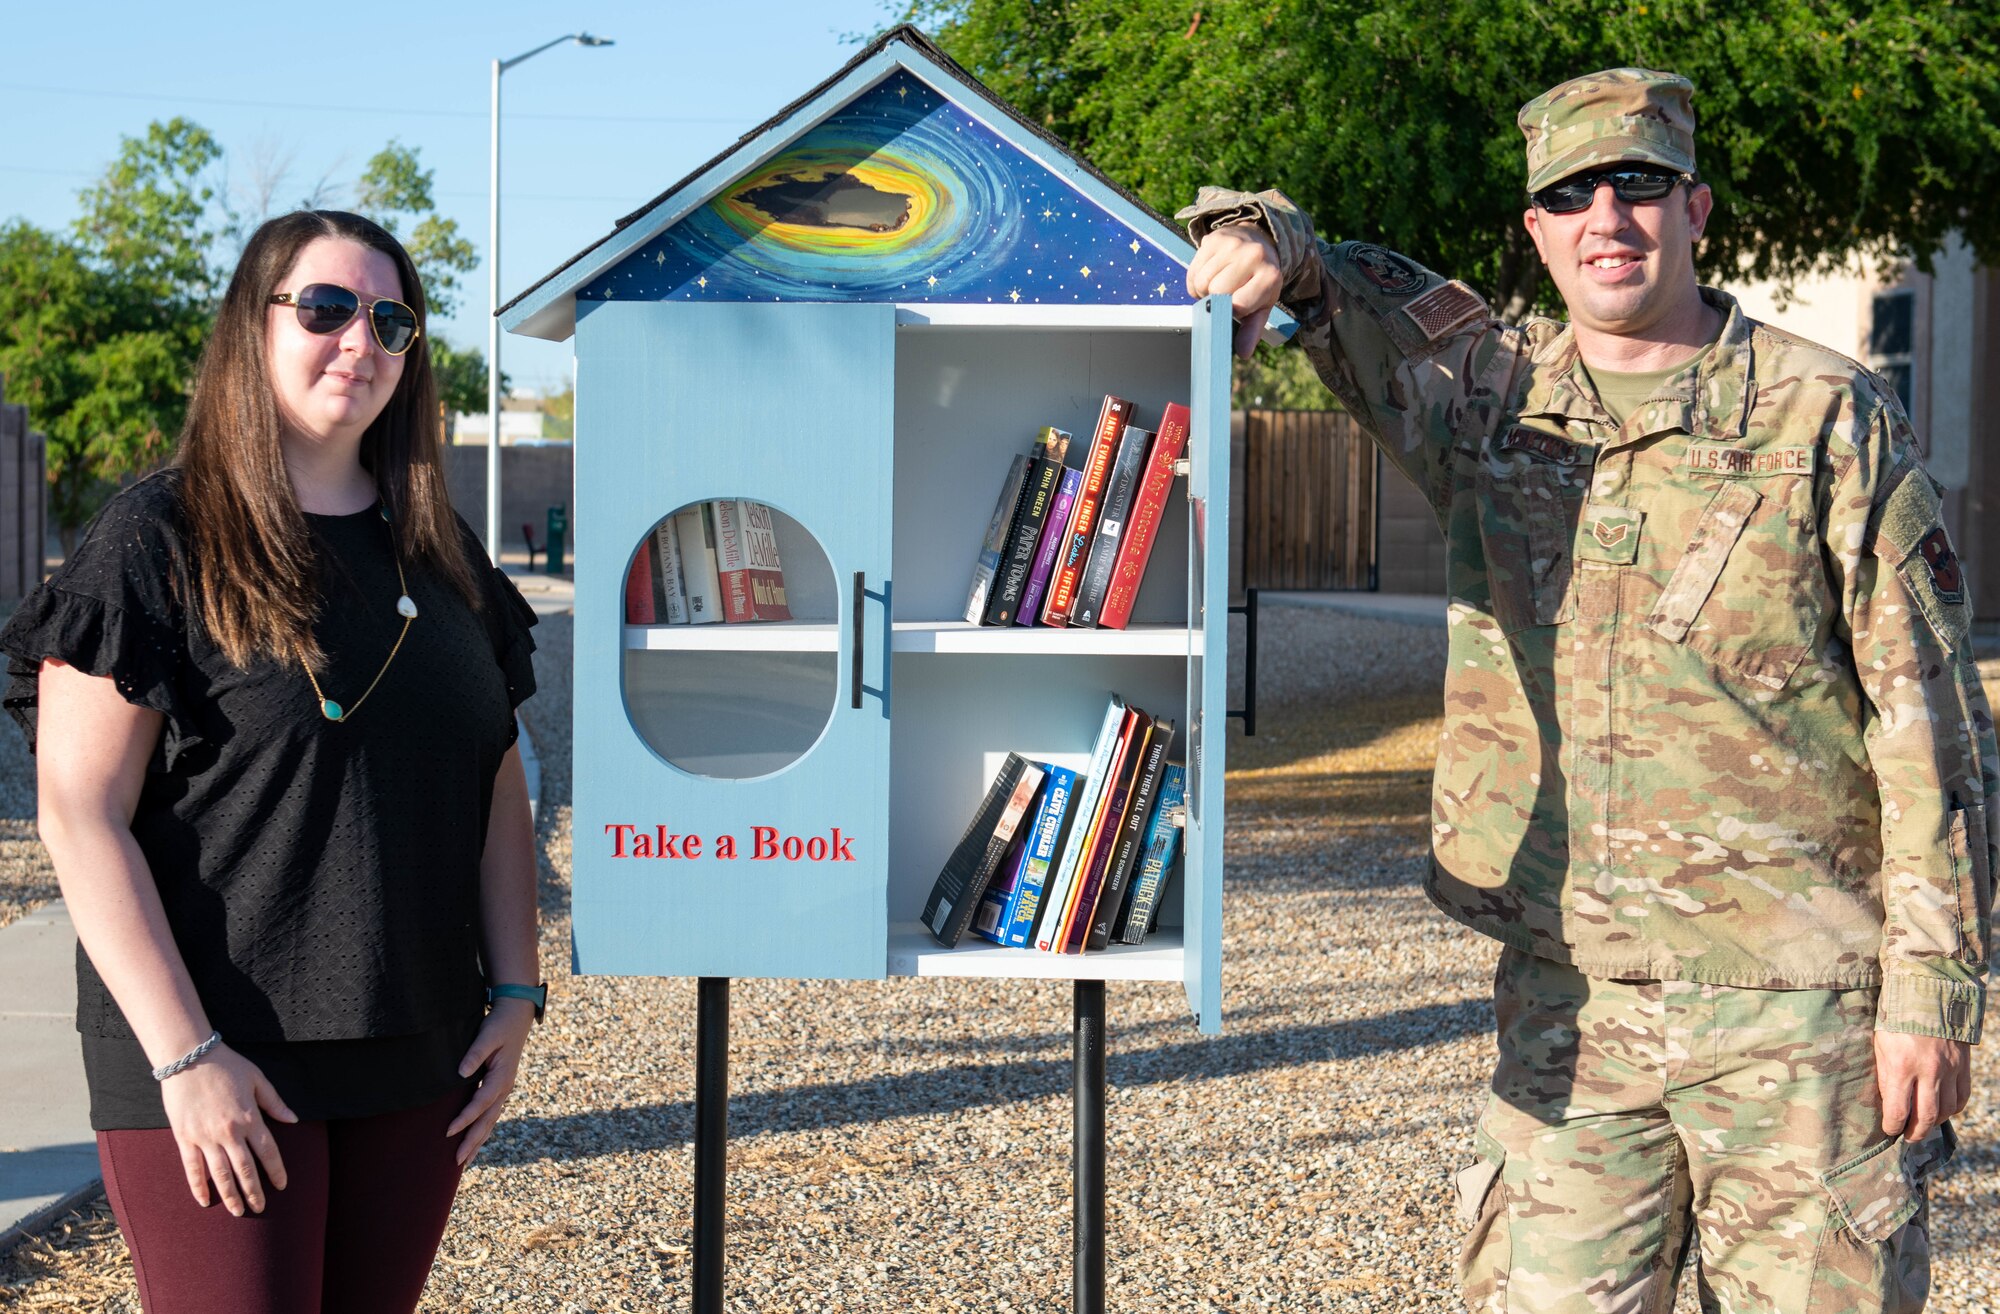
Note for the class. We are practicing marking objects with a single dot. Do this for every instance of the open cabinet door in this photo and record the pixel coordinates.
(731, 786)
(1208, 659)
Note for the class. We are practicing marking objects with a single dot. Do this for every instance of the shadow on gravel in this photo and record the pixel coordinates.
(670, 1125)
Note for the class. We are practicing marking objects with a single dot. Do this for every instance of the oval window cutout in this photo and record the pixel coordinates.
(731, 639)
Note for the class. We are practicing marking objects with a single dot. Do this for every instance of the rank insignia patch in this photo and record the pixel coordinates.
(1390, 273)
(1946, 577)
(1610, 534)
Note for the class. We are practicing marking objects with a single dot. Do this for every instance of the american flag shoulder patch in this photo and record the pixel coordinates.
(1444, 308)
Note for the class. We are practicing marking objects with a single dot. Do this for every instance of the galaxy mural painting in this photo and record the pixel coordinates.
(899, 196)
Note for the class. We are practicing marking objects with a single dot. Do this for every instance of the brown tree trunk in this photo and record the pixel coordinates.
(1520, 277)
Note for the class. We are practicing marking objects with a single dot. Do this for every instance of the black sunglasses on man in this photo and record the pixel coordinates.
(1631, 183)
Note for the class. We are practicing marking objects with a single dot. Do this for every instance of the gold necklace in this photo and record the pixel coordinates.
(405, 608)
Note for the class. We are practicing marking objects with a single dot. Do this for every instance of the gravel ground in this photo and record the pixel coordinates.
(905, 1144)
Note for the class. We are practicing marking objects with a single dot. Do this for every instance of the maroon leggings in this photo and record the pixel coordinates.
(353, 1232)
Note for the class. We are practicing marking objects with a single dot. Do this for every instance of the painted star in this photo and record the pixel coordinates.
(931, 281)
(1160, 291)
(1015, 295)
(1048, 213)
(1085, 271)
(610, 292)
(1135, 246)
(660, 259)
(702, 282)
(902, 93)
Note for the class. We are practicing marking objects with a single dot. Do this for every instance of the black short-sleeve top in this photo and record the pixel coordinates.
(321, 878)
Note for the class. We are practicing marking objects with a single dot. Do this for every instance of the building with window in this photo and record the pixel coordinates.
(1936, 338)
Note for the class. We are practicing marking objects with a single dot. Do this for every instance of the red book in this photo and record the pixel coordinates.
(1100, 822)
(1144, 525)
(746, 562)
(767, 572)
(1076, 929)
(639, 587)
(1071, 558)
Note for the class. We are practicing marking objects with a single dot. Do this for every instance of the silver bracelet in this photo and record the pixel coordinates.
(189, 1059)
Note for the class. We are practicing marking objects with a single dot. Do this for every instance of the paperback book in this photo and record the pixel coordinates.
(1143, 527)
(667, 585)
(694, 526)
(1031, 512)
(1070, 560)
(1089, 789)
(1131, 836)
(1084, 841)
(1163, 837)
(1024, 901)
(962, 882)
(750, 576)
(1111, 820)
(998, 529)
(1054, 532)
(1124, 481)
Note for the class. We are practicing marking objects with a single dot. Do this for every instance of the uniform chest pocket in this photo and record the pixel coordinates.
(1742, 594)
(1525, 523)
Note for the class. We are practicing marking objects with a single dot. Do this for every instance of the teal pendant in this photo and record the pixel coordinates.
(331, 710)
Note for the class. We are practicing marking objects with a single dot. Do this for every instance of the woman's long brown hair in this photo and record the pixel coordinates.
(258, 590)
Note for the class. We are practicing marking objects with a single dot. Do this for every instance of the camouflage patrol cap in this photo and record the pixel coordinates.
(1603, 118)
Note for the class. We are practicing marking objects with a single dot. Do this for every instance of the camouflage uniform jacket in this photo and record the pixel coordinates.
(1711, 712)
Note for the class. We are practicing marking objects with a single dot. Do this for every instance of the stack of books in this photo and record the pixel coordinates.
(1069, 546)
(1065, 861)
(708, 562)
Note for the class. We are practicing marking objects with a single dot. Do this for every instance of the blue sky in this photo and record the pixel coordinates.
(587, 134)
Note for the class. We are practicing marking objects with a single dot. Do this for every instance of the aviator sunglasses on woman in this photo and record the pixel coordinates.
(1630, 183)
(327, 308)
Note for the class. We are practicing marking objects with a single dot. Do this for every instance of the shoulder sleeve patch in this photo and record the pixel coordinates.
(1444, 308)
(1911, 537)
(1910, 512)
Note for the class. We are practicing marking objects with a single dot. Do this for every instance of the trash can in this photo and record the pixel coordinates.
(558, 528)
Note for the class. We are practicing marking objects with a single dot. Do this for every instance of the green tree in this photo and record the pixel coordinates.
(99, 331)
(560, 407)
(395, 191)
(1828, 130)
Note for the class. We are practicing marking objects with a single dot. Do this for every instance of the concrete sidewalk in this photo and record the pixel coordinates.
(48, 1154)
(1404, 608)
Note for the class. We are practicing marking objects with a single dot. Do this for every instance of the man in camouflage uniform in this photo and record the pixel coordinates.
(1716, 765)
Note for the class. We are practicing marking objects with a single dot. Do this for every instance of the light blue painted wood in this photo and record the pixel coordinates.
(789, 405)
(1208, 672)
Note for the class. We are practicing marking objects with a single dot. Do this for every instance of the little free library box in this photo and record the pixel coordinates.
(802, 374)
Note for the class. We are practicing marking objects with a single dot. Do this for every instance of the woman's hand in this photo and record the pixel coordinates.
(496, 1056)
(217, 1110)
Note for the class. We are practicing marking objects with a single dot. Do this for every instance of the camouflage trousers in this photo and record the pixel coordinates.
(1629, 1118)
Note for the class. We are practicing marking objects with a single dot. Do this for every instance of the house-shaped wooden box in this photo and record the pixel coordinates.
(856, 316)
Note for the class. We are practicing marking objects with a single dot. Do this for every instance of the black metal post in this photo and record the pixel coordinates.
(1088, 1094)
(1248, 610)
(711, 1141)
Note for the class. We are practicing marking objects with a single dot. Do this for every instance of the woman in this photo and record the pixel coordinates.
(274, 690)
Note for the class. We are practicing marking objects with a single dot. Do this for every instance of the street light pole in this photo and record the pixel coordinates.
(493, 293)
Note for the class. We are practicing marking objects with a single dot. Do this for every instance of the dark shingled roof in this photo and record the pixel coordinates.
(910, 35)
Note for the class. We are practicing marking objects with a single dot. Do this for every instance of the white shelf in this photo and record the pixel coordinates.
(917, 636)
(913, 951)
(1172, 315)
(1016, 640)
(759, 636)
